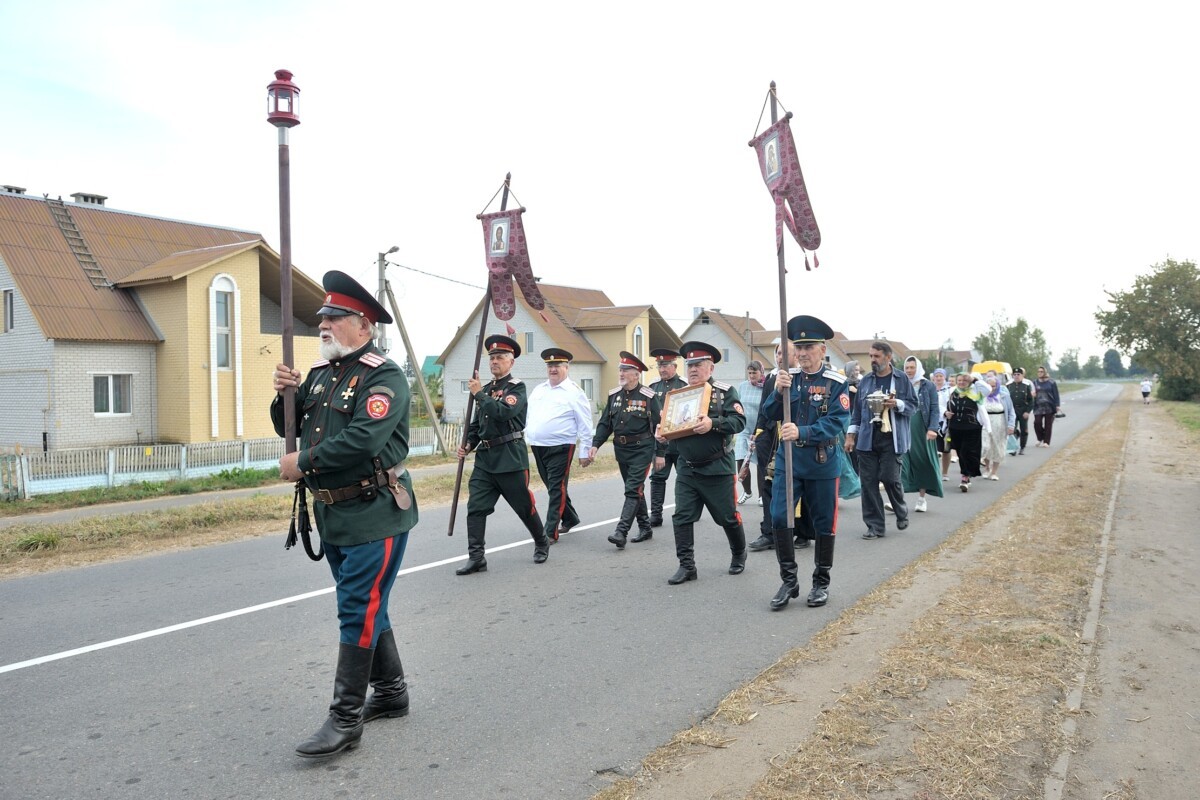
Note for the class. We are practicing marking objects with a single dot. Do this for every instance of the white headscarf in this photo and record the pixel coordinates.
(916, 379)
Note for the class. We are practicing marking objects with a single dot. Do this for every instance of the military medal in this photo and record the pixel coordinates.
(346, 395)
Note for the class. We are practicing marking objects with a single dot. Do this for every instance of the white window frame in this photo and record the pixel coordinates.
(638, 338)
(108, 377)
(588, 386)
(224, 282)
(466, 387)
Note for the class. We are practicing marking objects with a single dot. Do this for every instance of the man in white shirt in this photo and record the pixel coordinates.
(560, 417)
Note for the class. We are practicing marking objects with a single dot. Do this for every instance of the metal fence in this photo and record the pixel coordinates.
(25, 474)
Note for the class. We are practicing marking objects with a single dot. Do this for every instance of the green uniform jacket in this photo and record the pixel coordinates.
(349, 411)
(500, 409)
(633, 413)
(661, 388)
(715, 447)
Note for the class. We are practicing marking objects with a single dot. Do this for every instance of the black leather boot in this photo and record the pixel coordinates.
(344, 727)
(645, 530)
(685, 542)
(390, 698)
(823, 558)
(618, 537)
(476, 562)
(658, 493)
(737, 548)
(785, 551)
(541, 542)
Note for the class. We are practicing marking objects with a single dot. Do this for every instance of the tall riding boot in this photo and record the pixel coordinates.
(658, 494)
(476, 562)
(645, 531)
(685, 542)
(823, 557)
(737, 547)
(628, 511)
(785, 551)
(344, 727)
(390, 698)
(541, 542)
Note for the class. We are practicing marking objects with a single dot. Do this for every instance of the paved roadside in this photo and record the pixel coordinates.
(178, 501)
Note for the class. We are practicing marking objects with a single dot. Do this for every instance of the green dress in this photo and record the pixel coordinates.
(921, 469)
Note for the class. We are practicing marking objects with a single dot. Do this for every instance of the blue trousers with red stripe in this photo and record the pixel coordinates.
(364, 574)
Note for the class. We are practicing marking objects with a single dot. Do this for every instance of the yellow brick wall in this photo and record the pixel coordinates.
(181, 311)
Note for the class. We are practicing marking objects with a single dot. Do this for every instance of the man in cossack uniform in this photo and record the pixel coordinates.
(668, 381)
(819, 408)
(352, 416)
(630, 416)
(497, 437)
(707, 473)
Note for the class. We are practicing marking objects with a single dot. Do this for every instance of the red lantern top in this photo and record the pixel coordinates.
(281, 100)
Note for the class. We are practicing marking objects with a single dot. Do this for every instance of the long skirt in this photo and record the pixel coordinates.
(967, 442)
(921, 469)
(995, 441)
(849, 486)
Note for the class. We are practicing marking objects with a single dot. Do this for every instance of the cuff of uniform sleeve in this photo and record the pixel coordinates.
(307, 462)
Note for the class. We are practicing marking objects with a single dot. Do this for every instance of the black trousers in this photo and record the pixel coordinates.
(554, 468)
(968, 443)
(486, 488)
(1022, 429)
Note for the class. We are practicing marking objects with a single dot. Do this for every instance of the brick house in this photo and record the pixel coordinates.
(123, 328)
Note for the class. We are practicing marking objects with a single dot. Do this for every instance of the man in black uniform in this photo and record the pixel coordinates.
(1021, 392)
(819, 409)
(707, 476)
(630, 417)
(497, 436)
(352, 416)
(667, 382)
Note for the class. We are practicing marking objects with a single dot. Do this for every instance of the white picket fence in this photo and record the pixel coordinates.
(25, 474)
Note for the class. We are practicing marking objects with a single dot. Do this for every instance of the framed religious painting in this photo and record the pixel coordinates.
(682, 409)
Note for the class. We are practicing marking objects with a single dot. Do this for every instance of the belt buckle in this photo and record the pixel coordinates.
(621, 439)
(325, 496)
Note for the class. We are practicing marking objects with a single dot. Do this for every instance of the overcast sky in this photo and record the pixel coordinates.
(964, 160)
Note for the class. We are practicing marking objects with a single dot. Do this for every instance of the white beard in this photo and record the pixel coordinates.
(332, 350)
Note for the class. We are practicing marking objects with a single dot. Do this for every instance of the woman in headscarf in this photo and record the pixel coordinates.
(1002, 420)
(750, 392)
(944, 387)
(965, 419)
(919, 471)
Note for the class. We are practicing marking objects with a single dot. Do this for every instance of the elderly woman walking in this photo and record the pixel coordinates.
(1002, 420)
(920, 471)
(965, 419)
(750, 392)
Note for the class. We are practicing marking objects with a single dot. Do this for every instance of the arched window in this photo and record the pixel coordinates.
(223, 289)
(637, 341)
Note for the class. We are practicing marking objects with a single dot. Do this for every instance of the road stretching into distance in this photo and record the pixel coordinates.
(194, 673)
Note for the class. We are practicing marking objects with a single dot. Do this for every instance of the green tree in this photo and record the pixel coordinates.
(1113, 367)
(1091, 369)
(1159, 320)
(1068, 365)
(1019, 344)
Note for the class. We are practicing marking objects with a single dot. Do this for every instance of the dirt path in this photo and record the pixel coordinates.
(950, 679)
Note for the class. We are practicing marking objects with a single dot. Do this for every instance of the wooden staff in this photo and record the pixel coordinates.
(483, 318)
(783, 348)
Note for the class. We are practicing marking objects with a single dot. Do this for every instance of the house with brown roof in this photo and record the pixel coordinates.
(582, 321)
(122, 328)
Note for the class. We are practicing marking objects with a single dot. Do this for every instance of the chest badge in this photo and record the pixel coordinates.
(320, 387)
(346, 395)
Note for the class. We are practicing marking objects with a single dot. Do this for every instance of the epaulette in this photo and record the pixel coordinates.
(614, 391)
(324, 362)
(834, 375)
(372, 359)
(647, 391)
(513, 381)
(724, 387)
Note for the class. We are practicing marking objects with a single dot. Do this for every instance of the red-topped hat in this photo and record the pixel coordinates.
(497, 343)
(694, 352)
(630, 361)
(664, 355)
(344, 296)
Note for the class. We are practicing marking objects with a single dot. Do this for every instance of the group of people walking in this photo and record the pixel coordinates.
(810, 427)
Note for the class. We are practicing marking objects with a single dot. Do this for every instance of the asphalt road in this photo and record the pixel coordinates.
(193, 674)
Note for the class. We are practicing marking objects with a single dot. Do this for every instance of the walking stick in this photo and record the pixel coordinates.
(483, 318)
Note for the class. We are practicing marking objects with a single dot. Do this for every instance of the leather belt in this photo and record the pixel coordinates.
(723, 452)
(366, 488)
(488, 444)
(995, 412)
(632, 438)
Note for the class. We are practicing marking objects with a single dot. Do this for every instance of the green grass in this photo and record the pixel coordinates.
(1186, 414)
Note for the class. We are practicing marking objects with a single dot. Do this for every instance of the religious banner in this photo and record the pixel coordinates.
(780, 167)
(508, 260)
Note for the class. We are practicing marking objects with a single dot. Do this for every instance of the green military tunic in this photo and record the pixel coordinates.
(630, 417)
(348, 411)
(660, 389)
(497, 436)
(706, 466)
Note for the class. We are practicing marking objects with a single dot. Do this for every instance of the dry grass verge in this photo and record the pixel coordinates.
(965, 701)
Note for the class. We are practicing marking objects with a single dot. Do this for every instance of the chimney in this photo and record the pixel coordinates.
(83, 198)
(14, 189)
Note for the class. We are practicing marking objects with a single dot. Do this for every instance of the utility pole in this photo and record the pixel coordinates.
(381, 295)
